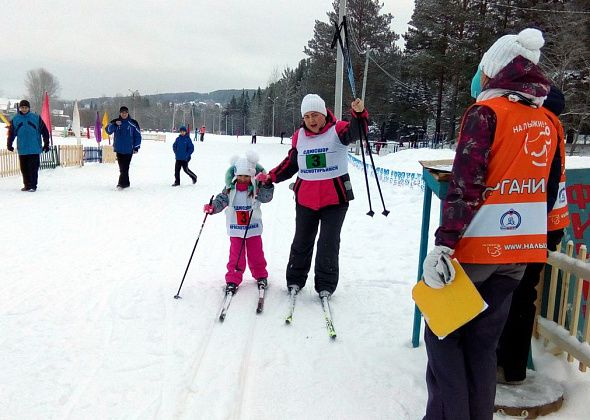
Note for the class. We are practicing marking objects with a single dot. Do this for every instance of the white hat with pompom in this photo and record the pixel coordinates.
(527, 43)
(245, 165)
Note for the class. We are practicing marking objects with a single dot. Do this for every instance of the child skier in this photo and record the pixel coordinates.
(242, 196)
(183, 149)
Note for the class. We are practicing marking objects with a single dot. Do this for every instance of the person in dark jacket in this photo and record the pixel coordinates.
(494, 222)
(319, 157)
(515, 342)
(183, 149)
(28, 128)
(126, 143)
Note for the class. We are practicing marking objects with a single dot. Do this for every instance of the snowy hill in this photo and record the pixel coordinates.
(90, 329)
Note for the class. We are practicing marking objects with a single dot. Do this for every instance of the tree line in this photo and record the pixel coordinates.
(426, 85)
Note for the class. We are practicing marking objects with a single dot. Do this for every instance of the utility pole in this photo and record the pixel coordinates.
(273, 114)
(133, 93)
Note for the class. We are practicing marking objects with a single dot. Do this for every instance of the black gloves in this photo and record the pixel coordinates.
(10, 148)
(45, 148)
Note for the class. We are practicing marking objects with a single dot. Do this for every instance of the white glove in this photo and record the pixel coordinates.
(437, 268)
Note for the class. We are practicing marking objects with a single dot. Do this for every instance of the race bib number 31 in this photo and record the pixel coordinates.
(315, 161)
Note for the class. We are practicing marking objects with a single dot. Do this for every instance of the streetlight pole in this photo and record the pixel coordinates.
(273, 114)
(133, 93)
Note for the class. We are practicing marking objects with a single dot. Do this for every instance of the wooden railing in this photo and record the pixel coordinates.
(567, 324)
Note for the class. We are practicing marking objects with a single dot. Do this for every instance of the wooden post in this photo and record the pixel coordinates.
(565, 288)
(577, 302)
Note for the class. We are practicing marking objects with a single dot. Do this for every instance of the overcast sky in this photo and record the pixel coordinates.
(109, 47)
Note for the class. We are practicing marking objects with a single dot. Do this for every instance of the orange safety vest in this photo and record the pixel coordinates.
(510, 223)
(559, 216)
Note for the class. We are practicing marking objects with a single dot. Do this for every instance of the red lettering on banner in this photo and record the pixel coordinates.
(579, 195)
(577, 227)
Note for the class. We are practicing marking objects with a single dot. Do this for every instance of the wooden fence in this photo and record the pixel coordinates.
(9, 164)
(567, 323)
(71, 155)
(64, 155)
(153, 136)
(108, 154)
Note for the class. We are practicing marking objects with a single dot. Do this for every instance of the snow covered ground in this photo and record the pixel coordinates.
(90, 329)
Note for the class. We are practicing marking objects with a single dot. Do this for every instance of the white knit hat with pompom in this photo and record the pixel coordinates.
(527, 43)
(245, 165)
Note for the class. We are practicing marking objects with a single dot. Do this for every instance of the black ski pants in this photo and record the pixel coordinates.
(184, 165)
(29, 168)
(329, 219)
(515, 342)
(124, 160)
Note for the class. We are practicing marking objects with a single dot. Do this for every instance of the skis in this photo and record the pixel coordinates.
(328, 316)
(225, 305)
(230, 294)
(324, 296)
(292, 299)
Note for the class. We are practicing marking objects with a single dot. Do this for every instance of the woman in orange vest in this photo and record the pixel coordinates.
(515, 341)
(494, 220)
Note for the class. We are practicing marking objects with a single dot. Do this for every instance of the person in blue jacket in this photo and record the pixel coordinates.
(127, 143)
(28, 128)
(183, 149)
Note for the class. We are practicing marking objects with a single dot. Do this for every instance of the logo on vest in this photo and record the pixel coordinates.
(561, 196)
(510, 220)
(538, 148)
(494, 250)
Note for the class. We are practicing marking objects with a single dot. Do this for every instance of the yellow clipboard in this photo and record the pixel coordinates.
(449, 308)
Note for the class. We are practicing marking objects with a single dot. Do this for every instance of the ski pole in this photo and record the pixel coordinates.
(385, 212)
(177, 296)
(347, 60)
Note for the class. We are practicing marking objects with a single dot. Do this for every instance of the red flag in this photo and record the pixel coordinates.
(46, 116)
(87, 131)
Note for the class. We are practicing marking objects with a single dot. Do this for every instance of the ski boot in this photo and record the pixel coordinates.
(262, 283)
(231, 288)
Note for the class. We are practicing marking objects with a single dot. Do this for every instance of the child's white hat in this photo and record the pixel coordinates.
(245, 165)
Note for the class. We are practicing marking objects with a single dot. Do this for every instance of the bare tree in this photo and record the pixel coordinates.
(38, 82)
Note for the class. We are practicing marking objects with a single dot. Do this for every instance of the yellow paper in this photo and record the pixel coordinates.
(449, 308)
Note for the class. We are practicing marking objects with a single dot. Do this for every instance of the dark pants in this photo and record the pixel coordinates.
(461, 371)
(184, 165)
(124, 160)
(515, 342)
(202, 136)
(253, 139)
(329, 219)
(29, 167)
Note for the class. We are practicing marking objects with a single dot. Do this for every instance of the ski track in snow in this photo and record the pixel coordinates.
(91, 329)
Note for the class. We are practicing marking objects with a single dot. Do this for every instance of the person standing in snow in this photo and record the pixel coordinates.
(253, 136)
(29, 128)
(515, 342)
(241, 197)
(183, 149)
(494, 220)
(319, 157)
(126, 143)
(202, 132)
